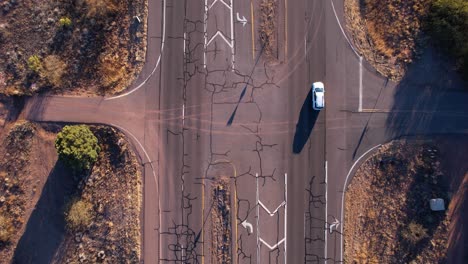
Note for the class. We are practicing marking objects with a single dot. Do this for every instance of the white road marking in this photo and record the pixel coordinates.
(343, 195)
(285, 215)
(155, 180)
(185, 42)
(247, 226)
(157, 62)
(232, 36)
(243, 20)
(214, 2)
(360, 85)
(268, 211)
(326, 210)
(258, 219)
(219, 33)
(205, 33)
(183, 114)
(274, 246)
(342, 30)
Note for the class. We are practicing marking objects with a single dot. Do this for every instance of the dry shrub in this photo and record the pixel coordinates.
(53, 70)
(414, 233)
(80, 214)
(6, 229)
(99, 8)
(111, 70)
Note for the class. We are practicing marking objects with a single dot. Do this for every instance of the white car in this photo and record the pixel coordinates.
(318, 96)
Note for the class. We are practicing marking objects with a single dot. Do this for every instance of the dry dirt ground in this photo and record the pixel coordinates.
(387, 33)
(35, 188)
(389, 196)
(99, 49)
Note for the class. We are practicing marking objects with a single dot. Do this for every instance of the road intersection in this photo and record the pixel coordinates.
(202, 73)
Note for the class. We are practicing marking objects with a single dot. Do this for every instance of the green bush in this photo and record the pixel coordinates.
(80, 214)
(65, 22)
(414, 233)
(448, 25)
(34, 63)
(77, 146)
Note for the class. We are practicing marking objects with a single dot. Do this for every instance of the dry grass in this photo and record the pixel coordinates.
(100, 8)
(6, 229)
(80, 214)
(268, 30)
(53, 70)
(112, 70)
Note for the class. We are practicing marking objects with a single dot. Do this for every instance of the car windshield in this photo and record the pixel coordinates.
(319, 90)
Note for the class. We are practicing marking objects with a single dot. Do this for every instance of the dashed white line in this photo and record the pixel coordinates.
(205, 33)
(285, 216)
(258, 219)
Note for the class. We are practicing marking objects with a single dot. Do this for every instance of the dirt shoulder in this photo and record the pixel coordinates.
(71, 47)
(36, 188)
(387, 33)
(388, 218)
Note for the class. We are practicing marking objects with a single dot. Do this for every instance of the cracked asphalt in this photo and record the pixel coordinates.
(215, 108)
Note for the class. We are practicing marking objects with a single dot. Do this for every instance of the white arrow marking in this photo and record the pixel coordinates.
(335, 225)
(247, 226)
(274, 246)
(243, 20)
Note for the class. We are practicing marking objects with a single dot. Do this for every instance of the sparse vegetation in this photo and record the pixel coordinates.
(99, 8)
(53, 70)
(448, 25)
(80, 214)
(6, 229)
(35, 63)
(112, 70)
(387, 217)
(414, 233)
(65, 22)
(77, 146)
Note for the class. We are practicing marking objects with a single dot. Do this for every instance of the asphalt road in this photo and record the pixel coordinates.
(208, 108)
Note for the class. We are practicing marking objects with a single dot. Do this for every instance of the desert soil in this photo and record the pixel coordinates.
(35, 188)
(392, 189)
(96, 53)
(387, 33)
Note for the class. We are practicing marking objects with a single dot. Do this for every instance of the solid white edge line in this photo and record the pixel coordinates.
(326, 210)
(157, 62)
(258, 219)
(285, 217)
(360, 84)
(343, 195)
(205, 33)
(342, 30)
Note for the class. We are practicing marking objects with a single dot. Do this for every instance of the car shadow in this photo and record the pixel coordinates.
(307, 118)
(45, 229)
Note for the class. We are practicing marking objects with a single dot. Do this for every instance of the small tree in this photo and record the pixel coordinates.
(80, 214)
(77, 146)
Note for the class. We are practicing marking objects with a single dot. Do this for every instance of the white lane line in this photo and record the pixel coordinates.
(185, 42)
(285, 217)
(343, 195)
(183, 114)
(305, 45)
(157, 62)
(232, 34)
(360, 85)
(258, 219)
(342, 30)
(205, 33)
(326, 210)
(219, 33)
